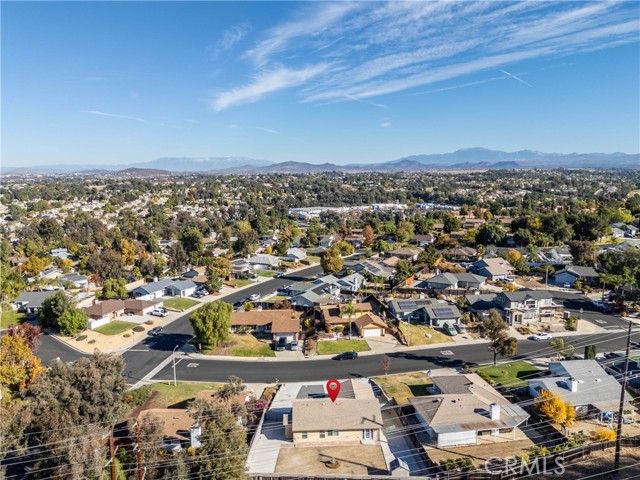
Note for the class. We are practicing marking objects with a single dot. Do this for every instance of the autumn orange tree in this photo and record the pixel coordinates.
(19, 367)
(556, 410)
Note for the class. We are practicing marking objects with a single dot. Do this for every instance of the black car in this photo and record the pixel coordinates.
(346, 356)
(155, 331)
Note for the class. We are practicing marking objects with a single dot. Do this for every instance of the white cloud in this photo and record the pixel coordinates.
(269, 130)
(385, 124)
(264, 83)
(232, 36)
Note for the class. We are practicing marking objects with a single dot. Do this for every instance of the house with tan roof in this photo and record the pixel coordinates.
(354, 418)
(465, 408)
(405, 253)
(370, 325)
(179, 429)
(278, 323)
(493, 268)
(334, 315)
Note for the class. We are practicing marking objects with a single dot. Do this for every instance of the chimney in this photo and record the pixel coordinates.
(285, 419)
(196, 431)
(573, 384)
(494, 411)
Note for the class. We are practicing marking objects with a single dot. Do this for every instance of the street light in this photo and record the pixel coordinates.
(173, 354)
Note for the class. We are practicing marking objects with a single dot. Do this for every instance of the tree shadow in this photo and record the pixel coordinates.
(166, 342)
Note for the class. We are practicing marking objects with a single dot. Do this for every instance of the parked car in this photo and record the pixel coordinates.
(541, 336)
(239, 304)
(566, 285)
(281, 345)
(254, 297)
(346, 356)
(154, 331)
(197, 295)
(449, 330)
(159, 313)
(294, 345)
(460, 327)
(279, 274)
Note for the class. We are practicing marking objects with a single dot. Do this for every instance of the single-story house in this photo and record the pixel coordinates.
(62, 253)
(405, 253)
(152, 290)
(571, 273)
(629, 230)
(438, 314)
(370, 325)
(617, 232)
(374, 269)
(181, 288)
(493, 268)
(464, 408)
(352, 283)
(407, 309)
(423, 240)
(473, 223)
(240, 268)
(461, 254)
(51, 273)
(278, 323)
(78, 280)
(327, 240)
(180, 430)
(30, 302)
(194, 272)
(101, 313)
(454, 281)
(584, 384)
(140, 307)
(354, 418)
(263, 262)
(334, 314)
(295, 254)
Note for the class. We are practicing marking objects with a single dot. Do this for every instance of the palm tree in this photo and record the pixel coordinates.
(349, 309)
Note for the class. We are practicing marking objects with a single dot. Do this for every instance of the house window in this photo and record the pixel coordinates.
(304, 435)
(322, 434)
(367, 434)
(332, 433)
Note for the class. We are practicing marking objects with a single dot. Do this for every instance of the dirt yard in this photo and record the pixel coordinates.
(598, 467)
(354, 460)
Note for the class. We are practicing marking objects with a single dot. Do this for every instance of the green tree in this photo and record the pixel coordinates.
(583, 252)
(106, 264)
(53, 307)
(590, 352)
(344, 248)
(224, 450)
(451, 224)
(114, 288)
(495, 329)
(63, 402)
(192, 242)
(221, 267)
(177, 257)
(72, 322)
(405, 231)
(429, 256)
(350, 310)
(404, 269)
(564, 349)
(331, 262)
(491, 234)
(211, 323)
(234, 386)
(381, 246)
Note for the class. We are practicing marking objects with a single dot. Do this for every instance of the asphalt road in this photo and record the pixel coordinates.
(196, 368)
(143, 357)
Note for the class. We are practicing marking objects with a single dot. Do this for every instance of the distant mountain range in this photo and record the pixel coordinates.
(464, 159)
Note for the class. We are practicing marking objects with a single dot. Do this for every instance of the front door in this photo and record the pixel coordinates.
(367, 434)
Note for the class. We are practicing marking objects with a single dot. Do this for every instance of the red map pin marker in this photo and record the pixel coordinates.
(333, 388)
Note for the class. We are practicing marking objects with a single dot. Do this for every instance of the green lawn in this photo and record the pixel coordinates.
(267, 273)
(239, 282)
(403, 386)
(277, 298)
(243, 345)
(512, 374)
(180, 303)
(312, 259)
(115, 327)
(11, 317)
(339, 346)
(167, 395)
(423, 335)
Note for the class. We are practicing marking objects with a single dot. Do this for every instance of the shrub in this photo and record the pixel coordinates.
(79, 338)
(539, 451)
(604, 435)
(92, 341)
(137, 397)
(339, 328)
(126, 335)
(308, 323)
(149, 322)
(138, 329)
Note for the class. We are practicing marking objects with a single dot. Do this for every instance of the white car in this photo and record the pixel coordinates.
(159, 313)
(541, 336)
(254, 297)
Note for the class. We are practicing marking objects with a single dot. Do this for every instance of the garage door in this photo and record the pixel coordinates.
(289, 336)
(372, 332)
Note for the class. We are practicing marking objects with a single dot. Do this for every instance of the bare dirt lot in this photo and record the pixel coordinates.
(598, 467)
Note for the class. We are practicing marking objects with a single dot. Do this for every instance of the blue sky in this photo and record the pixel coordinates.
(120, 82)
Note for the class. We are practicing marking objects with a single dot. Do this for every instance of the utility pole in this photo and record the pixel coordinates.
(616, 466)
(112, 455)
(173, 356)
(138, 452)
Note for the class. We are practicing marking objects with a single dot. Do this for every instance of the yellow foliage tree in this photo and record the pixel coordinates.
(604, 435)
(18, 366)
(128, 251)
(551, 406)
(35, 265)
